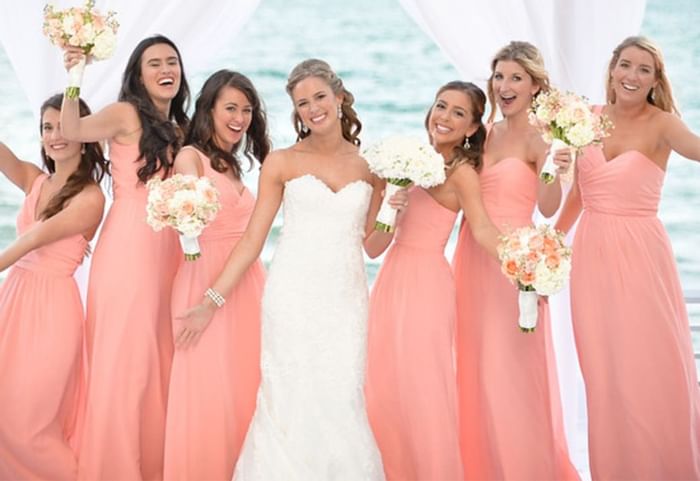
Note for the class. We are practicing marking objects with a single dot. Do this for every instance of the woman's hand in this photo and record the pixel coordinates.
(563, 160)
(399, 201)
(72, 56)
(194, 322)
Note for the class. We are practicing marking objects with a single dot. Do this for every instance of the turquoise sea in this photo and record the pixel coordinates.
(393, 69)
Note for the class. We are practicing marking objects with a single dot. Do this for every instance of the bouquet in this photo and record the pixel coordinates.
(566, 120)
(184, 202)
(82, 27)
(538, 262)
(402, 161)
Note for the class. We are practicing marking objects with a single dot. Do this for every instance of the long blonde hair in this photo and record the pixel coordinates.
(529, 58)
(312, 67)
(661, 95)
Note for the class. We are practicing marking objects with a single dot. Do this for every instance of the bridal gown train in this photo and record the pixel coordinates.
(310, 421)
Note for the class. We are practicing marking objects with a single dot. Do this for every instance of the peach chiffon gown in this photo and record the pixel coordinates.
(129, 335)
(631, 326)
(509, 405)
(41, 335)
(213, 385)
(411, 387)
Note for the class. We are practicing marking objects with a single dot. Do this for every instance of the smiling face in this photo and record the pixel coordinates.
(231, 116)
(633, 76)
(316, 104)
(450, 119)
(161, 72)
(55, 146)
(513, 87)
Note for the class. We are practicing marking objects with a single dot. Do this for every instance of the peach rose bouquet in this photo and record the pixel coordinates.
(537, 261)
(184, 202)
(566, 120)
(82, 27)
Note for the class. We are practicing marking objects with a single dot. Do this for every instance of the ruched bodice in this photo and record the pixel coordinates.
(427, 224)
(628, 185)
(509, 192)
(59, 258)
(236, 207)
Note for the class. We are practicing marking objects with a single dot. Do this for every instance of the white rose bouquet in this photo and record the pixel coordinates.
(402, 161)
(566, 120)
(184, 202)
(537, 261)
(82, 27)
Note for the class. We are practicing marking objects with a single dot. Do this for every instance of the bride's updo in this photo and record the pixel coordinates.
(312, 67)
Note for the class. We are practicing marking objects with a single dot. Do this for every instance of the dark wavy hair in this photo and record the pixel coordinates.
(161, 138)
(312, 67)
(460, 154)
(91, 169)
(201, 133)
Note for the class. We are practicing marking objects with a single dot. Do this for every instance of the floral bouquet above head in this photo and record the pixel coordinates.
(184, 202)
(537, 260)
(402, 161)
(85, 28)
(566, 120)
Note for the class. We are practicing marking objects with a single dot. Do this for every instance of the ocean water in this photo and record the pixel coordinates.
(393, 69)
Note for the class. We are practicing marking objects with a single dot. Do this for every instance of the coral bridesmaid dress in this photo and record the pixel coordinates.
(411, 388)
(631, 326)
(41, 334)
(129, 335)
(509, 405)
(213, 385)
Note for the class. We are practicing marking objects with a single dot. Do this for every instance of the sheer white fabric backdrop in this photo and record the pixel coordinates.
(195, 28)
(576, 38)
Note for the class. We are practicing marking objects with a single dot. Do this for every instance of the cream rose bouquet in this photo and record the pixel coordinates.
(184, 202)
(566, 120)
(537, 261)
(82, 27)
(402, 161)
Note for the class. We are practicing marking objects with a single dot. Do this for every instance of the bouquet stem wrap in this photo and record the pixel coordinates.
(190, 247)
(527, 304)
(75, 79)
(386, 218)
(549, 169)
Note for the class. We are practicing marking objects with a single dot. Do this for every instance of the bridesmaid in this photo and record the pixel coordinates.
(41, 314)
(216, 373)
(411, 389)
(629, 316)
(509, 407)
(128, 308)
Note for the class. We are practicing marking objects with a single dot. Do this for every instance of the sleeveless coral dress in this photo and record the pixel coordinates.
(41, 338)
(213, 385)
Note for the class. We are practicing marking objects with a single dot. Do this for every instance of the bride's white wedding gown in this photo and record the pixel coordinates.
(310, 422)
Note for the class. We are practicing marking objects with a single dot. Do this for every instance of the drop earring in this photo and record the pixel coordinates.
(340, 112)
(466, 143)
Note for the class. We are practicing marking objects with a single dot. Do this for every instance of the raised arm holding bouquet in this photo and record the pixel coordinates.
(84, 28)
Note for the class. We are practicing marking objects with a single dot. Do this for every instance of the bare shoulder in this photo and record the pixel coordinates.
(277, 164)
(92, 194)
(462, 175)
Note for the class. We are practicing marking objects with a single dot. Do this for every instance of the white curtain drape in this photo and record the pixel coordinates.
(576, 38)
(199, 30)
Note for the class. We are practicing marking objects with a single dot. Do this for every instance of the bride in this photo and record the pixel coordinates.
(310, 421)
